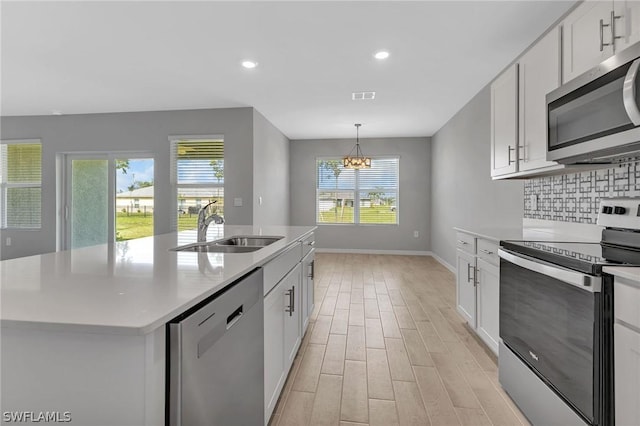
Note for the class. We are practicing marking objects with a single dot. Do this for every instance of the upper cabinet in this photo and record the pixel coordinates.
(539, 71)
(504, 123)
(596, 30)
(518, 111)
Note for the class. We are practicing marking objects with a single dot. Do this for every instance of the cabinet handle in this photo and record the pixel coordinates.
(312, 267)
(475, 276)
(486, 251)
(602, 43)
(469, 272)
(509, 154)
(292, 307)
(311, 243)
(614, 37)
(463, 242)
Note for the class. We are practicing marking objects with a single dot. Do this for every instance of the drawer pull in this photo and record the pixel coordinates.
(463, 242)
(311, 243)
(486, 251)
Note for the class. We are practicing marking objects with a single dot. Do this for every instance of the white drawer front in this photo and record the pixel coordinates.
(280, 266)
(626, 296)
(466, 242)
(488, 250)
(308, 243)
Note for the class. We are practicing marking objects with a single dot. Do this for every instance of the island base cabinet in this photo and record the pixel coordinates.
(90, 378)
(307, 302)
(282, 335)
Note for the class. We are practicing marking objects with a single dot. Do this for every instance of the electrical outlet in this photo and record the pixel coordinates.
(8, 241)
(534, 201)
(416, 234)
(237, 202)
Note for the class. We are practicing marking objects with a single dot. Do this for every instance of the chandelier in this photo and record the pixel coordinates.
(359, 161)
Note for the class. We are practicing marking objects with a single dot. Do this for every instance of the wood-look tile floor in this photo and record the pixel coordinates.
(386, 347)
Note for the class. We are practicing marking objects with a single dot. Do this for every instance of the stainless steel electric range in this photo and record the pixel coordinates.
(556, 320)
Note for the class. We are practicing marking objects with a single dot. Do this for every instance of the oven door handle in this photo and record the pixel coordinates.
(582, 281)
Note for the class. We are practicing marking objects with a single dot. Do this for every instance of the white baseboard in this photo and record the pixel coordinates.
(443, 263)
(369, 251)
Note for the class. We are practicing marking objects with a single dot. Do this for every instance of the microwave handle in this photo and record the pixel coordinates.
(629, 93)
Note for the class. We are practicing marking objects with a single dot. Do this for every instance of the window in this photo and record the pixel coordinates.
(365, 196)
(198, 174)
(21, 184)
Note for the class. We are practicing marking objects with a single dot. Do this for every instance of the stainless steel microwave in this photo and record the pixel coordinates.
(595, 118)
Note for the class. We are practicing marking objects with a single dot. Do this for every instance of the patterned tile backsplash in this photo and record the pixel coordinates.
(576, 197)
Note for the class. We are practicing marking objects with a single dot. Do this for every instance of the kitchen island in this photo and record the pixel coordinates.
(83, 331)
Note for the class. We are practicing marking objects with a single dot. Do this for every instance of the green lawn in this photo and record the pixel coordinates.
(377, 214)
(137, 225)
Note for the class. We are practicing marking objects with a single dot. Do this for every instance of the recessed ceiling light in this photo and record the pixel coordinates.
(363, 96)
(249, 64)
(383, 54)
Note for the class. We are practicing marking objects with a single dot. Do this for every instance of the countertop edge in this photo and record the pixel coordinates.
(629, 272)
(144, 329)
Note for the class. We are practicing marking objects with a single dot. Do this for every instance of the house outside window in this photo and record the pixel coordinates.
(21, 184)
(365, 196)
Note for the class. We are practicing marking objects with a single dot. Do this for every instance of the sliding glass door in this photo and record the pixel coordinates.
(104, 201)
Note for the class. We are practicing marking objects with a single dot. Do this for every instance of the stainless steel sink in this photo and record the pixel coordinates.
(248, 240)
(234, 244)
(212, 247)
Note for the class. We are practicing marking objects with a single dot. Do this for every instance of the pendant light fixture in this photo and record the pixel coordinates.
(359, 161)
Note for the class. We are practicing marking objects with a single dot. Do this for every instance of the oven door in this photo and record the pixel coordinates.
(549, 318)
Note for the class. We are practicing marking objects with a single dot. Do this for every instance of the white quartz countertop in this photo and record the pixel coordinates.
(628, 272)
(129, 287)
(528, 234)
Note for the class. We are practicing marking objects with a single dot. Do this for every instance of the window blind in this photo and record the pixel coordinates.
(197, 171)
(357, 196)
(20, 185)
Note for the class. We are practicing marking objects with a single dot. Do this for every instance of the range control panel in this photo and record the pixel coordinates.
(619, 213)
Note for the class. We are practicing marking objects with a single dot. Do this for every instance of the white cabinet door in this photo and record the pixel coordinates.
(627, 375)
(292, 315)
(274, 370)
(627, 26)
(504, 123)
(488, 291)
(583, 36)
(307, 289)
(539, 74)
(466, 287)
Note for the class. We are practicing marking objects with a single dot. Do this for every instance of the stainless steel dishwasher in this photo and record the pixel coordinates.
(216, 361)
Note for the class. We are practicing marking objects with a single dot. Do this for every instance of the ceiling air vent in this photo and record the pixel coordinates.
(363, 96)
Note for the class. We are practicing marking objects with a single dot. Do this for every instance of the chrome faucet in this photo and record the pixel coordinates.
(204, 221)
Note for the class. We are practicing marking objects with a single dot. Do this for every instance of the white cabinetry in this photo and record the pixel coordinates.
(504, 123)
(539, 74)
(478, 286)
(466, 287)
(595, 30)
(626, 336)
(518, 111)
(287, 288)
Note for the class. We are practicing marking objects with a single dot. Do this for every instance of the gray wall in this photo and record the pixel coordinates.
(140, 132)
(270, 173)
(414, 200)
(461, 187)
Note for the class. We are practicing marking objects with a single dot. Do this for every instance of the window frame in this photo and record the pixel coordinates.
(175, 186)
(4, 186)
(356, 193)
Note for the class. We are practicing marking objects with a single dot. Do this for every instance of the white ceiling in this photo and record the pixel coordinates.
(89, 57)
